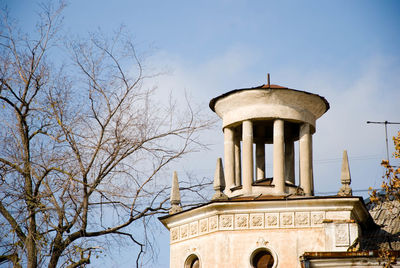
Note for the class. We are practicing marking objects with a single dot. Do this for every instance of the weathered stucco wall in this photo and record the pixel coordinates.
(226, 234)
(228, 249)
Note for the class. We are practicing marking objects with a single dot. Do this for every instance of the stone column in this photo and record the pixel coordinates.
(238, 164)
(229, 157)
(305, 148)
(279, 156)
(247, 129)
(289, 161)
(260, 160)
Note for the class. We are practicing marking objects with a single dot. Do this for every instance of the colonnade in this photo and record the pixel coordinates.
(240, 166)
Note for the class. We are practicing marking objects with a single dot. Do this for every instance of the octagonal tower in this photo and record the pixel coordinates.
(254, 220)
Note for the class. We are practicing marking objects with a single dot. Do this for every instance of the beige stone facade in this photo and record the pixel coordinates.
(254, 220)
(226, 234)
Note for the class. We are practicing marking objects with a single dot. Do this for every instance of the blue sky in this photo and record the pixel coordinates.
(346, 51)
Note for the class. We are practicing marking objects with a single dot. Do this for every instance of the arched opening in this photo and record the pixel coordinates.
(262, 258)
(192, 262)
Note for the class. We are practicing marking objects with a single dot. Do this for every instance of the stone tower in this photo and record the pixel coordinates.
(255, 220)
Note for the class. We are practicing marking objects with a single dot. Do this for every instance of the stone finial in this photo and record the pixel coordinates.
(345, 178)
(175, 199)
(219, 182)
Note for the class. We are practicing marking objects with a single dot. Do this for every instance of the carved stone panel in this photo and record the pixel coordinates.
(286, 219)
(203, 226)
(241, 221)
(317, 218)
(226, 222)
(184, 231)
(342, 235)
(257, 221)
(174, 234)
(302, 219)
(272, 220)
(213, 223)
(194, 228)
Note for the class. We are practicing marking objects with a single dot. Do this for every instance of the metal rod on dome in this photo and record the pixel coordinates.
(269, 85)
(385, 123)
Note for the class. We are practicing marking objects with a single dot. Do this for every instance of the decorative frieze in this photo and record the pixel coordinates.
(266, 220)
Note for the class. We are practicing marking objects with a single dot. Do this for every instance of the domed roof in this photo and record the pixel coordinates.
(266, 87)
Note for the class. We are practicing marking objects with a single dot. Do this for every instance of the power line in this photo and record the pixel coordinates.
(354, 191)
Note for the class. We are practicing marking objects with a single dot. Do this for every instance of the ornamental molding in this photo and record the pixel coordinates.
(253, 221)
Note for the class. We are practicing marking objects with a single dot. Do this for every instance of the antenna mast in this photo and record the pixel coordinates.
(385, 123)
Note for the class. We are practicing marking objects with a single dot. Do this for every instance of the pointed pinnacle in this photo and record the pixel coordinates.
(175, 194)
(345, 179)
(219, 179)
(345, 174)
(219, 182)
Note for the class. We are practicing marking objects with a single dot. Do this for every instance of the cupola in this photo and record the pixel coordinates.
(268, 114)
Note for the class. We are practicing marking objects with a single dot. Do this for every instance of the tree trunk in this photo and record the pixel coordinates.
(57, 249)
(32, 254)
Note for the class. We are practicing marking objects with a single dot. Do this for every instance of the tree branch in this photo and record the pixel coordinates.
(15, 226)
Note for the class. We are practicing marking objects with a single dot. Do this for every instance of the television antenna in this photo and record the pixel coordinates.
(385, 123)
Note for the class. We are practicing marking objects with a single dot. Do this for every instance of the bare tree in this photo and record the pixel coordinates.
(82, 146)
